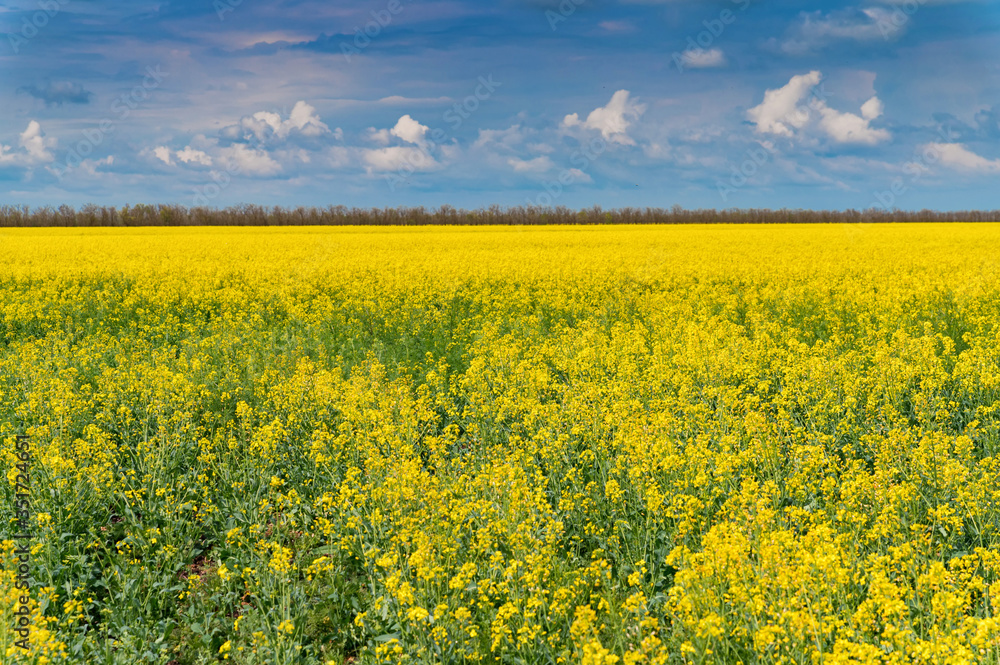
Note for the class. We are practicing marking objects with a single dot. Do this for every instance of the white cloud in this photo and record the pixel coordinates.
(956, 156)
(380, 136)
(268, 129)
(189, 155)
(785, 112)
(410, 130)
(162, 153)
(267, 125)
(850, 128)
(872, 109)
(241, 159)
(406, 129)
(36, 148)
(36, 144)
(537, 165)
(816, 30)
(395, 158)
(612, 120)
(703, 58)
(261, 124)
(780, 112)
(303, 118)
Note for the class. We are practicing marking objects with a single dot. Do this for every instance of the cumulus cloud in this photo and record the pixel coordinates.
(780, 112)
(35, 148)
(268, 125)
(410, 130)
(189, 155)
(872, 109)
(380, 136)
(612, 120)
(36, 144)
(850, 128)
(395, 158)
(304, 119)
(787, 112)
(258, 145)
(239, 158)
(959, 158)
(406, 129)
(260, 125)
(163, 154)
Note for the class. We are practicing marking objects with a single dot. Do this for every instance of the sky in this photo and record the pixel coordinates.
(618, 103)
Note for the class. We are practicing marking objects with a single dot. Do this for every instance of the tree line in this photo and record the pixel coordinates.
(257, 215)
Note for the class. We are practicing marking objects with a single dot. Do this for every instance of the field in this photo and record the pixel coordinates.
(602, 445)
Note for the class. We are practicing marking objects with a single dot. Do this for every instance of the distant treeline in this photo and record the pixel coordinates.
(255, 215)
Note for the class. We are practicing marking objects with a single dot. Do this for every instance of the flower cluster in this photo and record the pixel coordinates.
(612, 445)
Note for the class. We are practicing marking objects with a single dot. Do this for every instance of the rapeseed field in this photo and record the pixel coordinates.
(600, 445)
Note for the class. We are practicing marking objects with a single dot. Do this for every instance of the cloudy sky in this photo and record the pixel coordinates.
(701, 103)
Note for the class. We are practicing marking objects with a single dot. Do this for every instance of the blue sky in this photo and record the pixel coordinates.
(715, 104)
